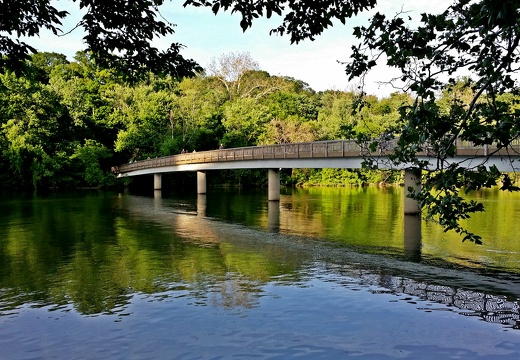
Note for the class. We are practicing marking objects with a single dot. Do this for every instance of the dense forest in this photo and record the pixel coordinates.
(65, 123)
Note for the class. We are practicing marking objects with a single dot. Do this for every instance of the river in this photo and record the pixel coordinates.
(326, 273)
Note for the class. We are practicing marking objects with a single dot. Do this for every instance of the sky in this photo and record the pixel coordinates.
(207, 36)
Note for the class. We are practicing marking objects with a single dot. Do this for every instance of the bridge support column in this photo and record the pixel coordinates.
(412, 236)
(273, 216)
(412, 179)
(273, 184)
(201, 205)
(201, 182)
(157, 182)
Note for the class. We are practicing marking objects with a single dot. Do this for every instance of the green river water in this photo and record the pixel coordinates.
(326, 273)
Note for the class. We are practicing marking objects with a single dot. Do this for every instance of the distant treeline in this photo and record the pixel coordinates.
(64, 124)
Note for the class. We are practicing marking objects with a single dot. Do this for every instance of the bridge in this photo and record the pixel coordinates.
(346, 154)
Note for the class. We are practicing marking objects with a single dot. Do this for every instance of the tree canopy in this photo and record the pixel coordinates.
(118, 33)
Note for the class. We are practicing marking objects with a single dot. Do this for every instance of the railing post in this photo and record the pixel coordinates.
(327, 149)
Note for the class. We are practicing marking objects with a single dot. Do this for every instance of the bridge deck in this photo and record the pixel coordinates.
(253, 157)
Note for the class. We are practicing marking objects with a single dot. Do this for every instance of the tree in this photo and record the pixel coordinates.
(32, 122)
(244, 121)
(478, 39)
(196, 113)
(80, 84)
(293, 117)
(335, 119)
(118, 34)
(230, 69)
(288, 130)
(90, 156)
(141, 113)
(240, 76)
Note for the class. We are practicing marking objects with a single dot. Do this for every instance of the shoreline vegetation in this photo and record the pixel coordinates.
(66, 123)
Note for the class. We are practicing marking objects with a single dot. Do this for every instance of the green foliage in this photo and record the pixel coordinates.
(293, 117)
(32, 121)
(304, 105)
(477, 38)
(142, 115)
(118, 35)
(336, 119)
(344, 177)
(244, 121)
(302, 19)
(197, 112)
(90, 154)
(289, 130)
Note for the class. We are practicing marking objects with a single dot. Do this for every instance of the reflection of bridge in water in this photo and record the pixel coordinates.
(498, 309)
(464, 292)
(346, 154)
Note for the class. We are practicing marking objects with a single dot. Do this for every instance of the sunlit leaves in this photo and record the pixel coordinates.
(31, 122)
(244, 121)
(477, 39)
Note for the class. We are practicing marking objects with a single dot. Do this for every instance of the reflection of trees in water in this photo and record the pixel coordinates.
(491, 308)
(234, 293)
(187, 256)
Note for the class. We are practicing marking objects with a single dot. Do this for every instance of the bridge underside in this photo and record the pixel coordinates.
(345, 163)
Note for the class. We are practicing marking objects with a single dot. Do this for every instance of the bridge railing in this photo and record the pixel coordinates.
(318, 149)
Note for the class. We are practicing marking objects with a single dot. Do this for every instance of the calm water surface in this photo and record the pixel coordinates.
(324, 274)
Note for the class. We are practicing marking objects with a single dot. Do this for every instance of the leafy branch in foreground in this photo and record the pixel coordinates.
(118, 33)
(301, 19)
(479, 38)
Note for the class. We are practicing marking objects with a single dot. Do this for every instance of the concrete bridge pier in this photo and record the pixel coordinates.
(273, 216)
(201, 182)
(412, 236)
(201, 205)
(273, 185)
(157, 181)
(412, 179)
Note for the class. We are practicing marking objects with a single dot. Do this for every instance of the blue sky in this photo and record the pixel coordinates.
(207, 36)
